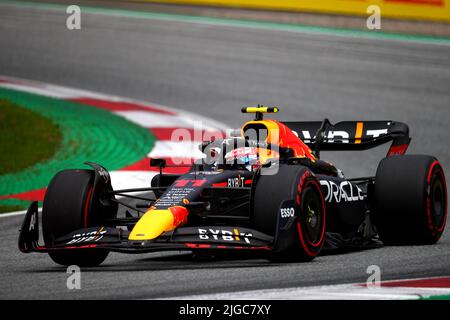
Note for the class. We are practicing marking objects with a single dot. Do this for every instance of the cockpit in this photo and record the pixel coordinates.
(234, 153)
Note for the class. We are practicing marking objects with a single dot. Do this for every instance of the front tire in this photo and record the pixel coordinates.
(300, 185)
(410, 200)
(67, 207)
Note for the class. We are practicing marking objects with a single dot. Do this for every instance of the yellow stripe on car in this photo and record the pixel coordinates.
(260, 109)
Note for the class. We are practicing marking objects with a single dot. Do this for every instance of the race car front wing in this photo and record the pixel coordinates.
(116, 239)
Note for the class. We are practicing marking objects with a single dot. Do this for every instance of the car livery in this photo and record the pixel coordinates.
(265, 192)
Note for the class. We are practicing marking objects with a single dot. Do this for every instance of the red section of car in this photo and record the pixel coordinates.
(198, 182)
(197, 246)
(87, 246)
(189, 182)
(86, 207)
(439, 172)
(179, 215)
(289, 140)
(180, 183)
(220, 184)
(397, 150)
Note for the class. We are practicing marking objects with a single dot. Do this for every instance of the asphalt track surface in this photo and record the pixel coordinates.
(214, 70)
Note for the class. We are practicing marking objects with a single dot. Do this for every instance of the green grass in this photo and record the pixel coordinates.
(438, 297)
(5, 208)
(26, 138)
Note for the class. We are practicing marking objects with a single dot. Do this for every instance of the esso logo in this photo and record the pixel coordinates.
(287, 212)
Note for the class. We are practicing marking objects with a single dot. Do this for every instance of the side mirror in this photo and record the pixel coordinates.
(160, 163)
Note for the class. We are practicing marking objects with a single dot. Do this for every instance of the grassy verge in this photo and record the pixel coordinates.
(5, 208)
(76, 131)
(26, 138)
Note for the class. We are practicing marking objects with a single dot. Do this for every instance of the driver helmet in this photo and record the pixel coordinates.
(246, 157)
(232, 153)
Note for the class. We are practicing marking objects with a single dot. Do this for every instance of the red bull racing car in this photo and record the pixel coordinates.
(263, 191)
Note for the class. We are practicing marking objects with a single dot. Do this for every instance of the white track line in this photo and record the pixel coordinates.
(332, 292)
(12, 214)
(16, 213)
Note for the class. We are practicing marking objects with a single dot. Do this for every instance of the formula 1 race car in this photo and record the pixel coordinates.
(262, 191)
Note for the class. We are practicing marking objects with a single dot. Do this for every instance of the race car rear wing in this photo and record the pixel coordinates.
(352, 135)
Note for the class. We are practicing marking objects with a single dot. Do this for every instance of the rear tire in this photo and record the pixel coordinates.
(410, 200)
(67, 207)
(299, 184)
